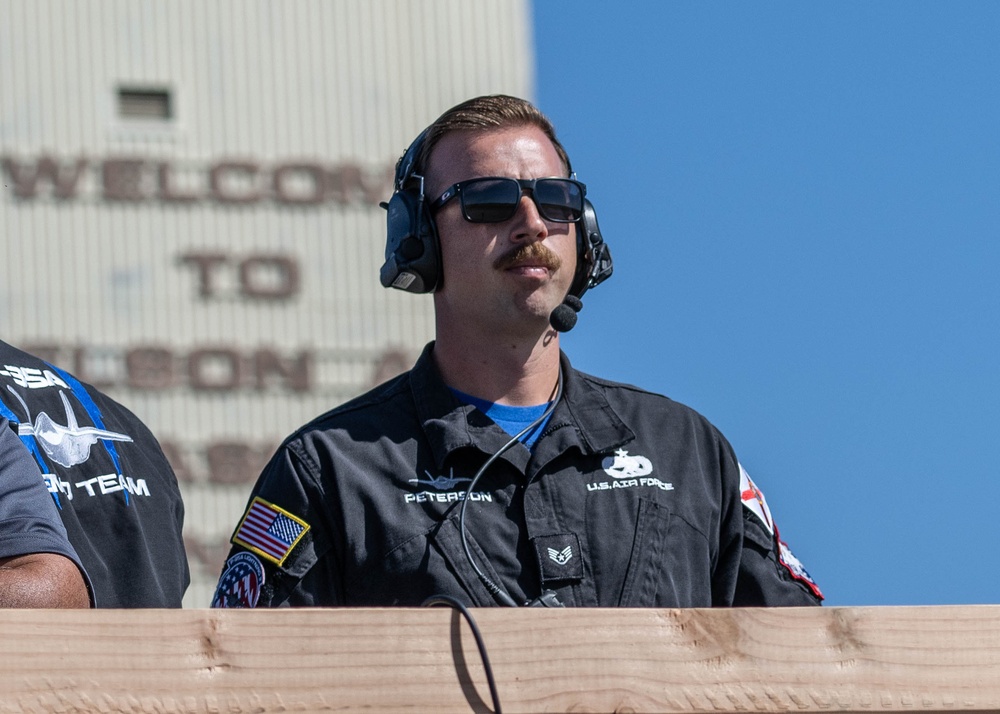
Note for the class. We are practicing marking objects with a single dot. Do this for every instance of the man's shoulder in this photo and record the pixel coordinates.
(380, 405)
(34, 375)
(8, 350)
(642, 408)
(30, 387)
(625, 388)
(24, 368)
(626, 393)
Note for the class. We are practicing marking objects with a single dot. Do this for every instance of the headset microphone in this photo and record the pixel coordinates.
(563, 318)
(593, 268)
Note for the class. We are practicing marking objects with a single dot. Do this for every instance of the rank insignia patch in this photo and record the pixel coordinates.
(269, 531)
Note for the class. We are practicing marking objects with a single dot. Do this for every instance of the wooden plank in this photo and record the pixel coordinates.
(894, 659)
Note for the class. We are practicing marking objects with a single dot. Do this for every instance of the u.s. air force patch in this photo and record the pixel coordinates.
(240, 583)
(269, 531)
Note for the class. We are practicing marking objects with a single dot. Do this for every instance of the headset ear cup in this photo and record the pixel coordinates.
(412, 252)
(594, 264)
(412, 262)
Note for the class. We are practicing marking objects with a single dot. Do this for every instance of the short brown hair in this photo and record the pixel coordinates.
(494, 111)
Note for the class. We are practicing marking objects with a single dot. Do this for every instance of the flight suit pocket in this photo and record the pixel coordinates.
(447, 539)
(645, 567)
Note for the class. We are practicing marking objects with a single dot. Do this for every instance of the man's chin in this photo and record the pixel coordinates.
(537, 312)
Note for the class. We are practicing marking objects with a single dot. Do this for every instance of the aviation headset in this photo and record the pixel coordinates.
(413, 250)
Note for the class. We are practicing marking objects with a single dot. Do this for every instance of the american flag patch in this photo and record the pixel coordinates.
(269, 531)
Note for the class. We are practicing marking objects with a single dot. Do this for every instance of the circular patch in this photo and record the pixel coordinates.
(240, 583)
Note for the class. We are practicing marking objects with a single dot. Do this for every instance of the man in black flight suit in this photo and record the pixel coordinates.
(492, 471)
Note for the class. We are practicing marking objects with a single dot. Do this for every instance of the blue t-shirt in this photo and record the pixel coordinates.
(509, 418)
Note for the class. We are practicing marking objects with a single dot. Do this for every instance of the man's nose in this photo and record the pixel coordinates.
(528, 222)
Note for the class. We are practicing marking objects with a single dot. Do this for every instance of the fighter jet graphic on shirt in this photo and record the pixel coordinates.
(441, 483)
(66, 445)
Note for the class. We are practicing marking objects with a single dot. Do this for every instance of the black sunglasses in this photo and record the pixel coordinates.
(494, 199)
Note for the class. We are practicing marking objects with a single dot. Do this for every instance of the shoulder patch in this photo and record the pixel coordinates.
(240, 583)
(754, 501)
(794, 566)
(269, 531)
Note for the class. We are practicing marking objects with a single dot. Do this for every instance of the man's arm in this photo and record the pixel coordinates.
(293, 573)
(769, 573)
(42, 580)
(38, 566)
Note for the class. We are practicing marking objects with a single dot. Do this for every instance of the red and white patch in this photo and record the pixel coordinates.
(754, 500)
(240, 583)
(794, 566)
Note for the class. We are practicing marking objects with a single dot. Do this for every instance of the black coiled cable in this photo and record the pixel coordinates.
(498, 593)
(449, 601)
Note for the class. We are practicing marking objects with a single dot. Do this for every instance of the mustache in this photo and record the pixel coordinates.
(534, 253)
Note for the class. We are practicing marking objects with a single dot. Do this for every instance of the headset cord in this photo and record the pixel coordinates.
(449, 601)
(498, 593)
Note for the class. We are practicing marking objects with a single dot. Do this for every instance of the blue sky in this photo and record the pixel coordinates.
(803, 203)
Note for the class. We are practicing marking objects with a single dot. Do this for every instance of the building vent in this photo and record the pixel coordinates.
(145, 103)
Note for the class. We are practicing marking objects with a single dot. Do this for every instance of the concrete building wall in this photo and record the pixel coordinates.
(189, 207)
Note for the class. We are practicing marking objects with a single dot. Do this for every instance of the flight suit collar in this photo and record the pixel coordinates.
(595, 425)
(448, 423)
(583, 419)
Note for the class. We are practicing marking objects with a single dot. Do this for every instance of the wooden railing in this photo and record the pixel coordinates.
(859, 659)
